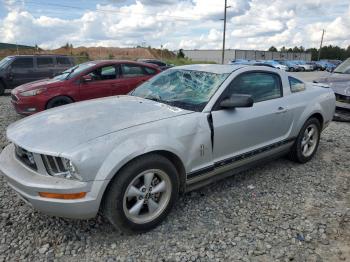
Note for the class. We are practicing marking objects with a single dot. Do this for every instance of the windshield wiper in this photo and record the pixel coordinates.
(70, 72)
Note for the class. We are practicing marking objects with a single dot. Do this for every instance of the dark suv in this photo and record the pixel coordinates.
(21, 69)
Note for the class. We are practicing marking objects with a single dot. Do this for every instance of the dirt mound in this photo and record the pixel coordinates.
(95, 53)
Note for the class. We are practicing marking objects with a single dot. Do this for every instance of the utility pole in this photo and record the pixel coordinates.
(319, 51)
(224, 35)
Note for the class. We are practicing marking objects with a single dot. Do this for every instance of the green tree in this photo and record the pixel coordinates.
(272, 49)
(181, 54)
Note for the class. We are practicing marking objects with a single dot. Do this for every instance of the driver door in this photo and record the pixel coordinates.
(100, 84)
(240, 131)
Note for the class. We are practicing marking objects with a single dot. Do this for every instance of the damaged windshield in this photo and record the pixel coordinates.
(185, 89)
(343, 68)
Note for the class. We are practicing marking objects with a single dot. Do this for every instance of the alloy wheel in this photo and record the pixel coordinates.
(147, 196)
(309, 141)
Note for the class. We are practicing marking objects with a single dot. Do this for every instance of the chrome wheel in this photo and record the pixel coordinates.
(310, 140)
(147, 196)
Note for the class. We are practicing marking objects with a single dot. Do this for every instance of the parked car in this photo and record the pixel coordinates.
(239, 62)
(304, 66)
(89, 80)
(162, 65)
(130, 156)
(316, 65)
(21, 69)
(292, 66)
(276, 64)
(326, 65)
(339, 81)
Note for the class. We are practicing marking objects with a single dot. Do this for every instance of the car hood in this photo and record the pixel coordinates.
(340, 83)
(48, 82)
(56, 130)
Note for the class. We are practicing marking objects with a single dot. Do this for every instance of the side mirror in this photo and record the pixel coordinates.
(237, 101)
(86, 78)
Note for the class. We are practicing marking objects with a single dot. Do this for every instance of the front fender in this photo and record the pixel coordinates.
(134, 147)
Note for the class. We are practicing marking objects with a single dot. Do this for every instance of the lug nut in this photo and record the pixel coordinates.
(143, 189)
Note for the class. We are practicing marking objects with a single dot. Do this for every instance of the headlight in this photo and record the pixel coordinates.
(60, 167)
(33, 92)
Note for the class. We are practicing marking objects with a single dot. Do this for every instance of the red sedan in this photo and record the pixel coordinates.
(85, 81)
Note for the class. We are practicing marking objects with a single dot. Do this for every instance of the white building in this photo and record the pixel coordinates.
(232, 54)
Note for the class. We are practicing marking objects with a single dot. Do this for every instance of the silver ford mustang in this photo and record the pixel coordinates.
(130, 156)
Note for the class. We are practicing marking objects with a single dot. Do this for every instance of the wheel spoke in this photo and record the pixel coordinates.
(305, 148)
(133, 191)
(161, 187)
(152, 205)
(311, 133)
(135, 210)
(148, 179)
(304, 142)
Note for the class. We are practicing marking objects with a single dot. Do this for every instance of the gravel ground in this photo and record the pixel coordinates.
(281, 211)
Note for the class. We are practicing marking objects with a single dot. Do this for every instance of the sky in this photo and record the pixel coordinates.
(175, 24)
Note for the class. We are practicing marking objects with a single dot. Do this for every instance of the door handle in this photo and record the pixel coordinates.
(281, 110)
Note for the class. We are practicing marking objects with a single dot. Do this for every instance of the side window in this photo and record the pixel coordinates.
(44, 61)
(130, 70)
(150, 71)
(260, 85)
(23, 62)
(296, 85)
(104, 73)
(63, 61)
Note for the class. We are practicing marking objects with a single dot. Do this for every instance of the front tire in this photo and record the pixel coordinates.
(59, 101)
(142, 194)
(307, 141)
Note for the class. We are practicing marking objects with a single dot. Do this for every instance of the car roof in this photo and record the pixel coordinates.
(113, 61)
(211, 68)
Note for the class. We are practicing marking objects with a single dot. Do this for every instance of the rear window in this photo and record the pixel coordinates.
(44, 61)
(296, 85)
(63, 61)
(23, 62)
(130, 70)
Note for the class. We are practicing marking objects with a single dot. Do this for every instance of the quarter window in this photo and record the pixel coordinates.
(150, 71)
(296, 85)
(130, 70)
(44, 61)
(23, 62)
(261, 86)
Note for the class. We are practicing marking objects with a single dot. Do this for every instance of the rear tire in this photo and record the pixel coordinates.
(142, 194)
(307, 141)
(59, 101)
(2, 89)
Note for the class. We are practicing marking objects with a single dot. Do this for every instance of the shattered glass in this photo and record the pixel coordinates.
(186, 89)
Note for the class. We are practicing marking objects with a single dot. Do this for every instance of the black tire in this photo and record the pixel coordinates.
(296, 153)
(2, 89)
(113, 204)
(59, 101)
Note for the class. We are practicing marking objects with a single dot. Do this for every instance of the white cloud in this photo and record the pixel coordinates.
(186, 24)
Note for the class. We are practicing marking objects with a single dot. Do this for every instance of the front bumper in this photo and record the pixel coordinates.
(27, 106)
(27, 183)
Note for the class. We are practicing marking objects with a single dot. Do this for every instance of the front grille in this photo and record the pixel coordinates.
(25, 157)
(54, 165)
(14, 98)
(342, 98)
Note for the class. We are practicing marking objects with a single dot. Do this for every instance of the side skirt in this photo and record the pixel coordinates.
(213, 173)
